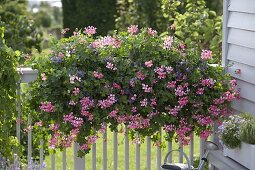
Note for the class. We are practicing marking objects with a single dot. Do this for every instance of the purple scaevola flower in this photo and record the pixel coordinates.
(187, 69)
(56, 59)
(80, 73)
(179, 75)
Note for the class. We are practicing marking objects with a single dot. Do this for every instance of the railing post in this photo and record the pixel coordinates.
(18, 120)
(159, 152)
(41, 154)
(105, 150)
(52, 160)
(126, 149)
(64, 160)
(137, 153)
(115, 150)
(29, 152)
(148, 153)
(191, 156)
(181, 153)
(79, 163)
(170, 147)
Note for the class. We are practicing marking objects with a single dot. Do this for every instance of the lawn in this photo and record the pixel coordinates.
(121, 155)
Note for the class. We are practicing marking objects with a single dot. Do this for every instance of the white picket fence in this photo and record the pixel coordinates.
(29, 75)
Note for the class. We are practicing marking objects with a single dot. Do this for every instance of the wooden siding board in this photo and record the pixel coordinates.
(241, 37)
(241, 20)
(225, 33)
(247, 6)
(241, 54)
(247, 72)
(244, 105)
(247, 90)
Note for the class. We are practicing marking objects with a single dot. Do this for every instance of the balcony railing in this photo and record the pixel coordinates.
(28, 75)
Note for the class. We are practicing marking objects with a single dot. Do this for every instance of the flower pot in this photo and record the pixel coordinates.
(245, 155)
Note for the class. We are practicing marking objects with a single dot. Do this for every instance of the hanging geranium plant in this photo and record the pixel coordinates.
(136, 78)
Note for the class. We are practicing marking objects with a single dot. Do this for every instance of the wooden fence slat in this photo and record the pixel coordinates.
(191, 153)
(138, 162)
(170, 147)
(64, 159)
(94, 159)
(115, 150)
(159, 153)
(18, 105)
(79, 163)
(41, 154)
(105, 150)
(181, 154)
(52, 161)
(126, 149)
(29, 152)
(202, 147)
(148, 153)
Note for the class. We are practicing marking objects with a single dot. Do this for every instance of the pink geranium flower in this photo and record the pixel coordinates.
(90, 30)
(206, 54)
(76, 91)
(43, 76)
(151, 31)
(168, 42)
(98, 75)
(148, 63)
(133, 29)
(47, 107)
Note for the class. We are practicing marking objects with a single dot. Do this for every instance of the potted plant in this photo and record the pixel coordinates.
(136, 78)
(238, 137)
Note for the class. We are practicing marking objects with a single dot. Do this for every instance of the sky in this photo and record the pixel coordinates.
(56, 3)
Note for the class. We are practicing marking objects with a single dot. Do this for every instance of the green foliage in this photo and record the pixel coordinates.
(43, 19)
(216, 5)
(195, 25)
(8, 79)
(145, 13)
(247, 131)
(80, 13)
(20, 33)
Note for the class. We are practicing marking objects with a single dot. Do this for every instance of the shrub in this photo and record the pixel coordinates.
(247, 131)
(136, 78)
(8, 79)
(196, 25)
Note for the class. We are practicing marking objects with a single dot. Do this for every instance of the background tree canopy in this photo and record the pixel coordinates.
(20, 32)
(81, 13)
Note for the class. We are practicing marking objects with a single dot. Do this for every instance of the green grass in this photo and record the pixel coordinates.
(121, 155)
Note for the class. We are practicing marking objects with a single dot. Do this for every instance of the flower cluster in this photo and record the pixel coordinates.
(229, 131)
(135, 78)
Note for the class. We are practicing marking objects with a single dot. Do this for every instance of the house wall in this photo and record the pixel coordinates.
(239, 50)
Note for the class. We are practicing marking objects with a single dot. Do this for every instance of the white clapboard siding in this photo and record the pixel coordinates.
(242, 20)
(247, 6)
(241, 37)
(239, 50)
(241, 54)
(247, 90)
(247, 73)
(243, 105)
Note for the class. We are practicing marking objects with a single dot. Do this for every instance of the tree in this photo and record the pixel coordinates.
(216, 5)
(43, 19)
(20, 32)
(82, 13)
(145, 13)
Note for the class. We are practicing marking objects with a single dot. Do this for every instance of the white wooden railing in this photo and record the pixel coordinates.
(28, 75)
